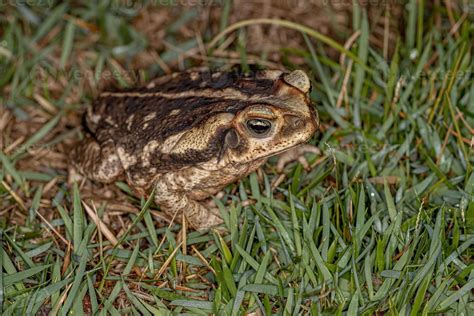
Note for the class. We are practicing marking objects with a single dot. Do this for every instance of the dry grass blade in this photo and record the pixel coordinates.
(14, 195)
(100, 225)
(168, 260)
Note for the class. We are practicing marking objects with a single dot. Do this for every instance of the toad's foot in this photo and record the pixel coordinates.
(175, 203)
(203, 219)
(95, 161)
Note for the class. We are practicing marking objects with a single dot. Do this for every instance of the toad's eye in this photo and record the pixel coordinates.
(259, 127)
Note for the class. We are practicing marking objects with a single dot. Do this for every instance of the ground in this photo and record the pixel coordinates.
(382, 222)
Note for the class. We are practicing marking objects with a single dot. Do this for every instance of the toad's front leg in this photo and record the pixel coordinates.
(173, 201)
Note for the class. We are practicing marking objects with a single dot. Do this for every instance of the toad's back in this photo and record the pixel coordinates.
(174, 103)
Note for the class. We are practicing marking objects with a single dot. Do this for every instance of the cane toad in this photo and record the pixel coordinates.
(189, 134)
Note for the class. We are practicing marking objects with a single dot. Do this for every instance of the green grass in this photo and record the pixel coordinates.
(382, 224)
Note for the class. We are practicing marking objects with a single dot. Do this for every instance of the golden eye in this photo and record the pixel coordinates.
(259, 127)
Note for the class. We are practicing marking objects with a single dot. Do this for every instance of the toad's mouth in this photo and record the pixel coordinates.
(283, 150)
(309, 136)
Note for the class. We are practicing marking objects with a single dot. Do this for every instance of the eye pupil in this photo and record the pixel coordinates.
(258, 126)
